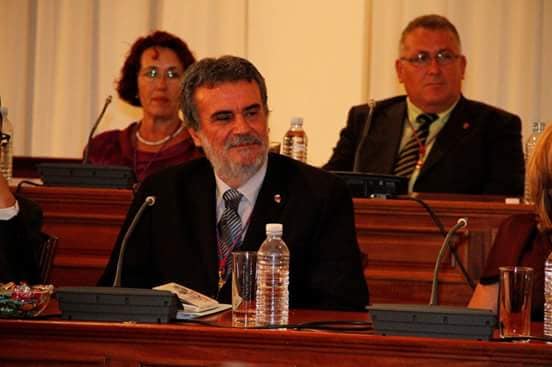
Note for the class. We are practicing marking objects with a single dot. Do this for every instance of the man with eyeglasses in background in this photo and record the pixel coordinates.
(440, 140)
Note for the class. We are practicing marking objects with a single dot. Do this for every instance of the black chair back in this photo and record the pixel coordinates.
(45, 256)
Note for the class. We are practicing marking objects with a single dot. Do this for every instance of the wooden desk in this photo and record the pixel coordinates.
(398, 238)
(71, 343)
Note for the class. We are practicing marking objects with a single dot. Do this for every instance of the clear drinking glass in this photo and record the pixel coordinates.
(515, 296)
(244, 288)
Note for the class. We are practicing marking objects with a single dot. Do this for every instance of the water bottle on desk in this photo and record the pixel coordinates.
(537, 129)
(295, 141)
(6, 144)
(548, 296)
(272, 303)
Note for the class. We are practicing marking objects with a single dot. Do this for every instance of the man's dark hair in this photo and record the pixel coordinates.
(210, 72)
(127, 86)
(432, 22)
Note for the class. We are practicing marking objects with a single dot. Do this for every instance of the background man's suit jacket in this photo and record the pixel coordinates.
(176, 239)
(478, 151)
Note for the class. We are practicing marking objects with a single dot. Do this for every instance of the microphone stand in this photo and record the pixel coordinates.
(433, 300)
(365, 129)
(94, 127)
(150, 201)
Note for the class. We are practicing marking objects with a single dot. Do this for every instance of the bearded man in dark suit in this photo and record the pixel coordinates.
(469, 147)
(225, 106)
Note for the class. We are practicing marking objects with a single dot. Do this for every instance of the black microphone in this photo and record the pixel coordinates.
(366, 128)
(87, 175)
(368, 184)
(433, 320)
(94, 127)
(117, 303)
(461, 223)
(149, 201)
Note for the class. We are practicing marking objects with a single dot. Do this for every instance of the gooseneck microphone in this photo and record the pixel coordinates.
(433, 320)
(100, 116)
(365, 129)
(461, 223)
(117, 303)
(149, 201)
(85, 174)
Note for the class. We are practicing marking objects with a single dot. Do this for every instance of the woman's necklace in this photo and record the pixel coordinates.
(160, 141)
(163, 143)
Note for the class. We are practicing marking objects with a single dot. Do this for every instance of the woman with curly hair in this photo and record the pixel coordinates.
(151, 78)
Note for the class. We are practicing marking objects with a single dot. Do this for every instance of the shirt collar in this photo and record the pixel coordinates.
(414, 111)
(249, 190)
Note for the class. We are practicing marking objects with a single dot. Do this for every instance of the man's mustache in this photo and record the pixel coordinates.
(242, 140)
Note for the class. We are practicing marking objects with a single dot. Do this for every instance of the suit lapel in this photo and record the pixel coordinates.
(380, 151)
(456, 128)
(202, 220)
(270, 203)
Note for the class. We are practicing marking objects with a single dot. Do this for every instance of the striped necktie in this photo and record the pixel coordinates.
(229, 230)
(411, 152)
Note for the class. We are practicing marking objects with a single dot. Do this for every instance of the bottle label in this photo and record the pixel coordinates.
(297, 145)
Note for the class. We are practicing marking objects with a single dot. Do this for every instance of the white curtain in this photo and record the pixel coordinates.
(60, 58)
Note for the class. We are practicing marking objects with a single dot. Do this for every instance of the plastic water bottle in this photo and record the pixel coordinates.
(548, 296)
(537, 129)
(272, 306)
(295, 141)
(6, 145)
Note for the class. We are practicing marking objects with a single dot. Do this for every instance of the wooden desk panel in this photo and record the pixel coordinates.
(401, 243)
(71, 343)
(397, 237)
(86, 222)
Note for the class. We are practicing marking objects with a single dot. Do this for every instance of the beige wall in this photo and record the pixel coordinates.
(311, 53)
(60, 58)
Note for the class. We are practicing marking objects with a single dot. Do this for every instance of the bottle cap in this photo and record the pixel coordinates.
(296, 121)
(274, 228)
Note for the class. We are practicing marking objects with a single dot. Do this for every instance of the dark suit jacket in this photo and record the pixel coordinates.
(19, 241)
(175, 241)
(478, 151)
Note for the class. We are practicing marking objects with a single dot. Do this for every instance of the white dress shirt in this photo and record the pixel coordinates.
(9, 212)
(249, 190)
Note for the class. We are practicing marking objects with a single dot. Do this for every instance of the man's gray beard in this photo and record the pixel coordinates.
(229, 171)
